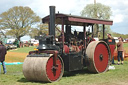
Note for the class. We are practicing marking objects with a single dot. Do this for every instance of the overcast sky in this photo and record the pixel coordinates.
(41, 8)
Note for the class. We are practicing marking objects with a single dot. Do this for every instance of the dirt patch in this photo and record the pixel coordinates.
(15, 57)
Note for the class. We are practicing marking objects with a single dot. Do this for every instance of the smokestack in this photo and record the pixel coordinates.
(52, 21)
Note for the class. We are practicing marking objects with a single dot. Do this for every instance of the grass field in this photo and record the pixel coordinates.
(14, 75)
(119, 76)
(19, 54)
(23, 50)
(126, 47)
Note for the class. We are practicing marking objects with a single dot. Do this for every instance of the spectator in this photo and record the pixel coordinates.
(2, 56)
(110, 37)
(120, 50)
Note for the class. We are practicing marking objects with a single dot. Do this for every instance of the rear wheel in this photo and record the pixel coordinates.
(98, 54)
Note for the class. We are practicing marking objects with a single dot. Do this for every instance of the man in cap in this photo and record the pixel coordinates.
(110, 37)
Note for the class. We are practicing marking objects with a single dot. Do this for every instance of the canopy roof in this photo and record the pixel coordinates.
(76, 20)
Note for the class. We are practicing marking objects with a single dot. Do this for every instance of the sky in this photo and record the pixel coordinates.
(41, 8)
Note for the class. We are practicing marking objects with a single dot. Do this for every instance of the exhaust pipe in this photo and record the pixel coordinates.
(52, 21)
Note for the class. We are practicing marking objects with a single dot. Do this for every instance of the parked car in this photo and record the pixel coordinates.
(10, 46)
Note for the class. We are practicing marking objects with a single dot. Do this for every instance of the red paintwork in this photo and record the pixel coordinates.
(87, 20)
(81, 47)
(66, 49)
(101, 65)
(112, 48)
(53, 75)
(109, 40)
(55, 58)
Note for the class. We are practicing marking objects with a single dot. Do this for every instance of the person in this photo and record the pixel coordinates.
(120, 50)
(3, 52)
(110, 37)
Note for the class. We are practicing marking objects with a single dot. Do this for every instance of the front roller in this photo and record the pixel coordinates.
(42, 68)
(98, 54)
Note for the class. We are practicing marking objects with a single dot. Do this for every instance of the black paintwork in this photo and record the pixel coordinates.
(73, 61)
(109, 41)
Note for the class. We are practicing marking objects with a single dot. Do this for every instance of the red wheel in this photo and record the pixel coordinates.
(42, 69)
(98, 56)
(54, 73)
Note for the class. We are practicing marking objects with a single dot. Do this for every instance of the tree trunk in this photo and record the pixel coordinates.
(96, 30)
(18, 38)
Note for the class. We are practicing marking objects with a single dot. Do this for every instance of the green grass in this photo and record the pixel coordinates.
(119, 76)
(125, 44)
(24, 49)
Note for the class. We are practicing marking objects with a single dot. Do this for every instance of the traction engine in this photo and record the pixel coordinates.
(69, 51)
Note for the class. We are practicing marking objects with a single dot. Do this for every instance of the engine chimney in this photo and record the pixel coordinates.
(52, 21)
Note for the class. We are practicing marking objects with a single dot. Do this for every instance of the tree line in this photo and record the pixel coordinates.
(19, 21)
(120, 35)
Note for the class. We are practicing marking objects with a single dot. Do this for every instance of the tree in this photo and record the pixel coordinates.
(99, 11)
(120, 35)
(42, 29)
(17, 21)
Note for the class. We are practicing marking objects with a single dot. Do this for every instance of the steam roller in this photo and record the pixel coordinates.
(98, 53)
(69, 51)
(41, 68)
